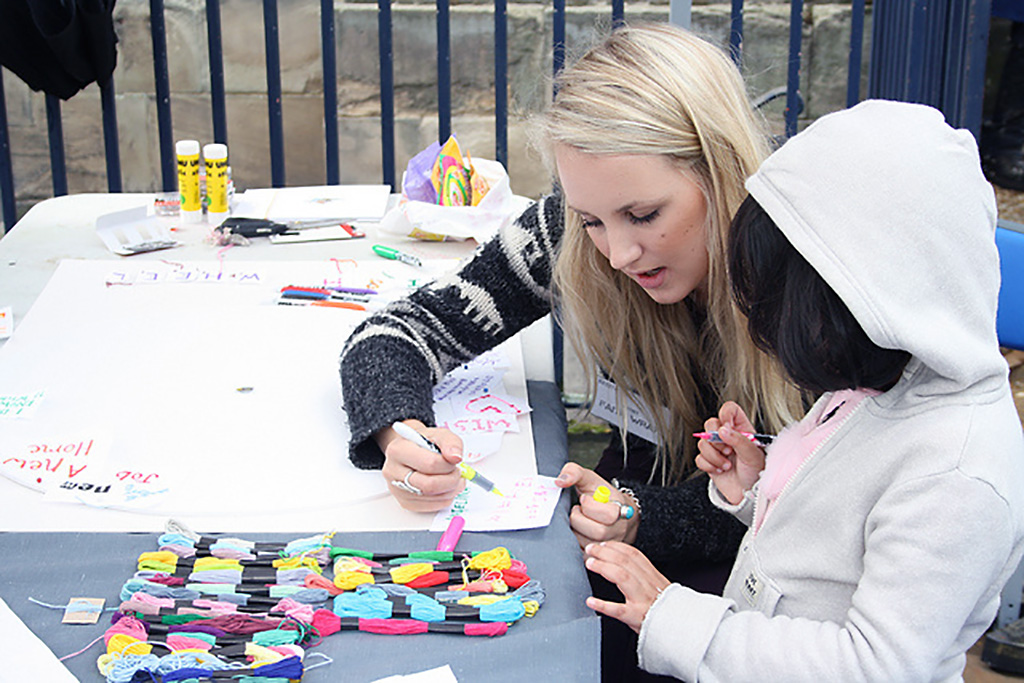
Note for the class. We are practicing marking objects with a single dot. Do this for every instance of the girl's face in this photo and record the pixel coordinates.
(643, 214)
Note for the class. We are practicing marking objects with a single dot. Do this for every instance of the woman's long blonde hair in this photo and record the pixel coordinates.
(658, 89)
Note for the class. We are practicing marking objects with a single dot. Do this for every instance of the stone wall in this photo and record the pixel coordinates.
(823, 78)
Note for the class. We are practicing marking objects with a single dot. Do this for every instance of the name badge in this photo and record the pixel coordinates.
(638, 420)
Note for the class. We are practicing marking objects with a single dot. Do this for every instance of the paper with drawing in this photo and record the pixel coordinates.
(177, 389)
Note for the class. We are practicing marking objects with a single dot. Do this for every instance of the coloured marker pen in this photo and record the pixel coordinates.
(450, 538)
(759, 439)
(313, 293)
(467, 472)
(354, 290)
(396, 255)
(363, 294)
(330, 303)
(326, 303)
(298, 297)
(478, 479)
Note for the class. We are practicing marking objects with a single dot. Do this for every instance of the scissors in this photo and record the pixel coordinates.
(259, 227)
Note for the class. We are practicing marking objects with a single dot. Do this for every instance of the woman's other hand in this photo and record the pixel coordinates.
(637, 579)
(591, 520)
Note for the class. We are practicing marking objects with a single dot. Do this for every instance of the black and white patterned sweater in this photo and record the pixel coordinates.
(392, 361)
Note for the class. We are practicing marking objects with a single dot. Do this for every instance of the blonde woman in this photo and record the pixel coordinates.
(651, 136)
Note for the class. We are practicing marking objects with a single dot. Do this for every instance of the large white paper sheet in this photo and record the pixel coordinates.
(345, 202)
(200, 398)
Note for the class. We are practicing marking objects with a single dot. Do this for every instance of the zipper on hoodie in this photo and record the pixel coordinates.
(809, 458)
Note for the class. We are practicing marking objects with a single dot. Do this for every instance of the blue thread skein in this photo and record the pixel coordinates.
(504, 610)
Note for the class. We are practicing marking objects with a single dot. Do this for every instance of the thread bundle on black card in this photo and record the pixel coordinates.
(203, 608)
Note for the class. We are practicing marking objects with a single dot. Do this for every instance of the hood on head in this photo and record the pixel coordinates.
(888, 203)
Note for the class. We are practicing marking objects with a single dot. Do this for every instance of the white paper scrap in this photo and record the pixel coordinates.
(442, 674)
(35, 661)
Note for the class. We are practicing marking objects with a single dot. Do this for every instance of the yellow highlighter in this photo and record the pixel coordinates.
(479, 479)
(467, 472)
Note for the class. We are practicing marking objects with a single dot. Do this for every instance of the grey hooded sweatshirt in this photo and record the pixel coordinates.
(883, 558)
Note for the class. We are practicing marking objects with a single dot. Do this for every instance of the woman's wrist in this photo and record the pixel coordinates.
(631, 509)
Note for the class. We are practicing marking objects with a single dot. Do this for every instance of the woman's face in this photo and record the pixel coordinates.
(643, 214)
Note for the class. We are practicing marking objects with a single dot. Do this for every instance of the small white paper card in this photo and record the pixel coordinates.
(528, 503)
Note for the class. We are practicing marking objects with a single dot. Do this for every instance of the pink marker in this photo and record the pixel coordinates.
(450, 538)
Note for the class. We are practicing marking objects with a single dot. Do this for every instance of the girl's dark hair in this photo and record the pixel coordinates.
(794, 315)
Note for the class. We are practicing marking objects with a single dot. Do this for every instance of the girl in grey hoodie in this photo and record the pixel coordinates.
(883, 525)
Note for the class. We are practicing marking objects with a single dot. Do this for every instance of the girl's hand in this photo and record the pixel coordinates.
(736, 463)
(409, 468)
(590, 520)
(630, 570)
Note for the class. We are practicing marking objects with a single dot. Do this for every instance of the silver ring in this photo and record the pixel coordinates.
(406, 486)
(625, 511)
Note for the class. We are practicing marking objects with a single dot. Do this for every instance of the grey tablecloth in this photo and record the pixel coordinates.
(560, 643)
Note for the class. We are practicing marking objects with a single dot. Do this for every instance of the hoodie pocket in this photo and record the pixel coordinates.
(750, 587)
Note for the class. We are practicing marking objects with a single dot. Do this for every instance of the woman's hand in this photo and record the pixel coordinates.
(630, 570)
(590, 520)
(736, 463)
(409, 468)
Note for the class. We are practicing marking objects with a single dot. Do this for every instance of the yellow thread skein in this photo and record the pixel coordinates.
(127, 645)
(477, 600)
(297, 563)
(347, 581)
(496, 559)
(407, 572)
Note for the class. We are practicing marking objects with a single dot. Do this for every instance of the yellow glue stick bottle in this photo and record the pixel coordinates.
(188, 180)
(215, 155)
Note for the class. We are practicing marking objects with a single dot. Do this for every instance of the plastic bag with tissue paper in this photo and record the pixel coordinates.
(449, 196)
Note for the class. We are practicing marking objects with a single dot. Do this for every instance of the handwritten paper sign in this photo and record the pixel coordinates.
(181, 274)
(123, 490)
(75, 469)
(41, 464)
(471, 401)
(528, 503)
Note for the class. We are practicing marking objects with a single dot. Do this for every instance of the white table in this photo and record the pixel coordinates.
(64, 227)
(36, 564)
